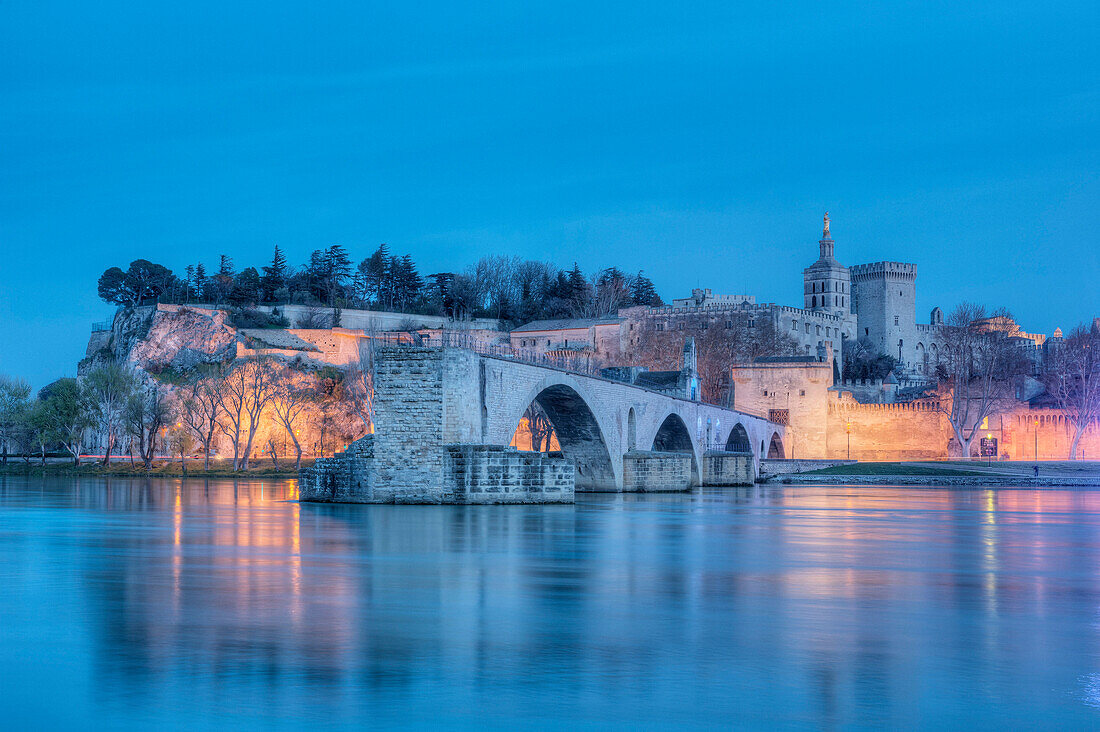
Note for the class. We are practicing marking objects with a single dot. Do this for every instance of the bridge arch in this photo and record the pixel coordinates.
(674, 436)
(579, 433)
(775, 447)
(738, 440)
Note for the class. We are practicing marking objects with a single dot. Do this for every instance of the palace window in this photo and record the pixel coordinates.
(752, 323)
(660, 326)
(801, 392)
(807, 328)
(794, 325)
(895, 320)
(814, 301)
(729, 324)
(679, 326)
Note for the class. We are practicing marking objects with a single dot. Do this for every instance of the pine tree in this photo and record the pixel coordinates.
(200, 281)
(189, 290)
(642, 292)
(408, 282)
(373, 270)
(337, 270)
(225, 266)
(275, 276)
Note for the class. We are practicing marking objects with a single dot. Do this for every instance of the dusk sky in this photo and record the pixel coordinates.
(701, 146)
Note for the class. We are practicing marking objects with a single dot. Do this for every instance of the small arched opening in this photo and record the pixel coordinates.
(631, 430)
(775, 449)
(673, 436)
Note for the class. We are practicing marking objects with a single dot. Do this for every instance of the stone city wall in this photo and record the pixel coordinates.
(905, 431)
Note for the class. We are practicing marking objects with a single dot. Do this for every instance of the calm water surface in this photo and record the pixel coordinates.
(130, 603)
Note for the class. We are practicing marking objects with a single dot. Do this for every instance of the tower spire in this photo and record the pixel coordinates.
(826, 240)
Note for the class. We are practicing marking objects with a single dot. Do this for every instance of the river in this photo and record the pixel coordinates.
(131, 603)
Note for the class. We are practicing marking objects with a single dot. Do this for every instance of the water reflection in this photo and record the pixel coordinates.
(158, 600)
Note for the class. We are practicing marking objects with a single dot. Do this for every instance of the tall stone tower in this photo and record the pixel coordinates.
(826, 282)
(884, 296)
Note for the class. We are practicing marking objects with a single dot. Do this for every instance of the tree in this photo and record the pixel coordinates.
(109, 389)
(539, 426)
(374, 272)
(291, 398)
(246, 287)
(740, 339)
(642, 291)
(612, 292)
(68, 409)
(1072, 379)
(248, 390)
(200, 402)
(579, 292)
(14, 394)
(407, 283)
(181, 442)
(200, 283)
(35, 433)
(337, 270)
(143, 280)
(980, 364)
(274, 277)
(864, 361)
(221, 284)
(147, 413)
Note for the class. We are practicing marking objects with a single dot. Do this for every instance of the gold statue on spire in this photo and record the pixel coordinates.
(825, 233)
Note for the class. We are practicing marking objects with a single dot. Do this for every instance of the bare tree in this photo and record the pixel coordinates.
(981, 364)
(248, 390)
(358, 384)
(1072, 378)
(110, 387)
(721, 341)
(500, 284)
(540, 427)
(181, 442)
(730, 340)
(147, 412)
(200, 405)
(293, 394)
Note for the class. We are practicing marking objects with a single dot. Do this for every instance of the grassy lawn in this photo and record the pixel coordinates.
(888, 469)
(218, 469)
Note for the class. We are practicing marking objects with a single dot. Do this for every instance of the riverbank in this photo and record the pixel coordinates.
(160, 469)
(970, 473)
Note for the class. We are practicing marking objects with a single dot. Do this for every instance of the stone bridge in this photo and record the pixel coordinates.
(429, 401)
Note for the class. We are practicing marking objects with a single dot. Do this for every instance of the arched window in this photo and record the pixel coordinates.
(814, 302)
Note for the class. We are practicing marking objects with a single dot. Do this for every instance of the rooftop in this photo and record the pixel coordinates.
(564, 324)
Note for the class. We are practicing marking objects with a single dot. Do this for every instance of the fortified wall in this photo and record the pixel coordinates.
(905, 431)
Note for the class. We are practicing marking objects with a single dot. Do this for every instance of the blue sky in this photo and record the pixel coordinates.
(698, 143)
